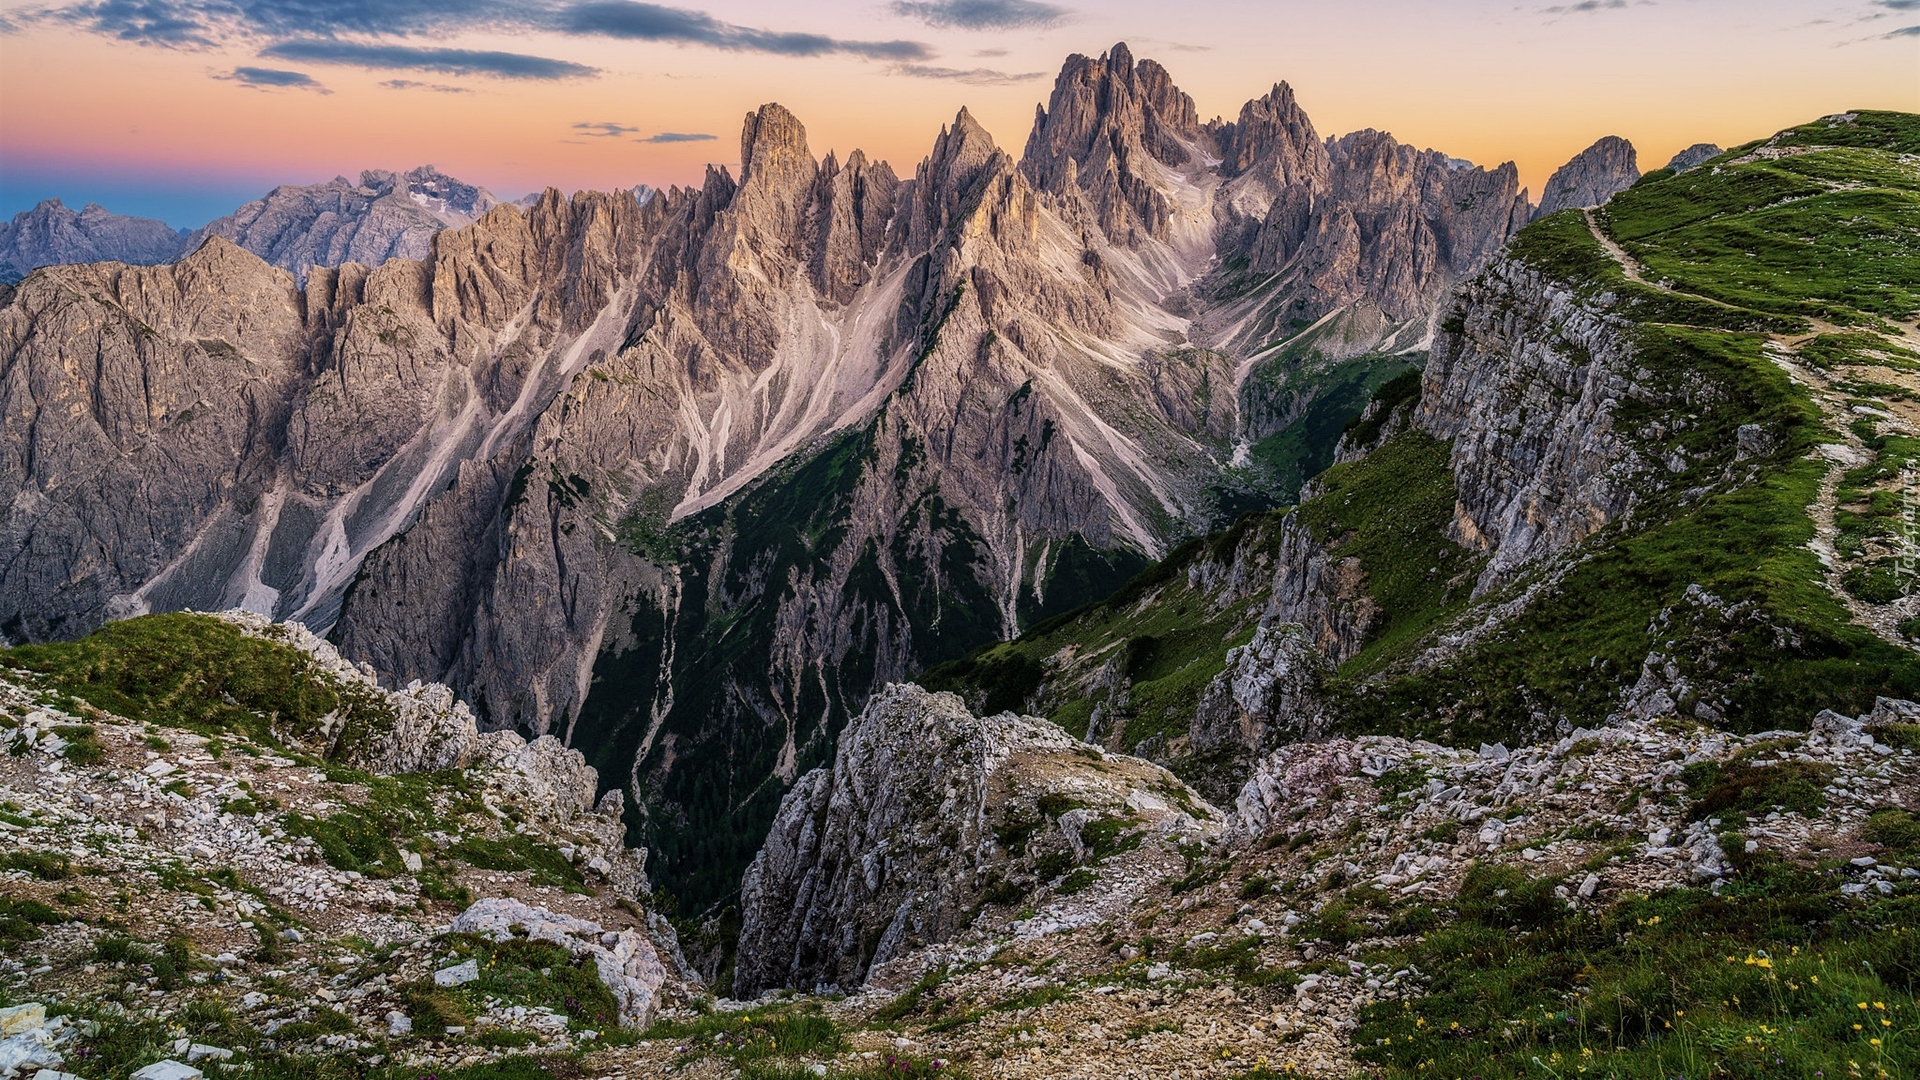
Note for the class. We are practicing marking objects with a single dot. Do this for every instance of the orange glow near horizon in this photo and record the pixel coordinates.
(1482, 81)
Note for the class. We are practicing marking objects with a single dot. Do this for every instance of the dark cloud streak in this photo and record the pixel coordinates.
(678, 137)
(633, 21)
(312, 29)
(604, 129)
(274, 79)
(501, 65)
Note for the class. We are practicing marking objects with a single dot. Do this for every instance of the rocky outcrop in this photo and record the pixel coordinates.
(300, 834)
(424, 728)
(1527, 387)
(1693, 155)
(925, 809)
(51, 235)
(387, 215)
(627, 963)
(1271, 692)
(1595, 175)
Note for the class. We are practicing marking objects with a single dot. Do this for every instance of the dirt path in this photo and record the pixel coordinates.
(1849, 452)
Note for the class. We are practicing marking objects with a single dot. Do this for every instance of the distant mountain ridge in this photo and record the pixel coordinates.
(387, 215)
(51, 234)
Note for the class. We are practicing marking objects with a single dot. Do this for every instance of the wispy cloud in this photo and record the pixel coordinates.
(502, 65)
(981, 14)
(411, 84)
(678, 137)
(1898, 5)
(970, 76)
(1593, 7)
(1905, 31)
(604, 129)
(274, 79)
(634, 21)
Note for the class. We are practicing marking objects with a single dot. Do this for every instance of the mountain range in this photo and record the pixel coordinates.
(387, 215)
(685, 480)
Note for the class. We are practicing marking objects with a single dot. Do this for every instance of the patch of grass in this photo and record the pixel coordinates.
(21, 919)
(517, 853)
(1894, 829)
(1076, 881)
(350, 839)
(1035, 998)
(1109, 836)
(502, 1039)
(188, 671)
(1240, 958)
(1774, 976)
(41, 864)
(1756, 790)
(433, 1009)
(918, 998)
(83, 744)
(784, 1030)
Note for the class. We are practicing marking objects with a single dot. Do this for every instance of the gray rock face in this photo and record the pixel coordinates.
(925, 806)
(1595, 175)
(51, 235)
(1527, 391)
(1693, 155)
(386, 215)
(1270, 692)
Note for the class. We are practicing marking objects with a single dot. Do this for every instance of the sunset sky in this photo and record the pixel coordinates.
(181, 109)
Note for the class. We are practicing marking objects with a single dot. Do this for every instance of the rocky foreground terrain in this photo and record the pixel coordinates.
(262, 852)
(267, 904)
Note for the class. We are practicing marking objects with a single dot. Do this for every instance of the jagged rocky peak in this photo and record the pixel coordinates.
(966, 174)
(1271, 150)
(1595, 175)
(1386, 224)
(848, 227)
(1693, 155)
(51, 234)
(777, 177)
(1110, 131)
(927, 812)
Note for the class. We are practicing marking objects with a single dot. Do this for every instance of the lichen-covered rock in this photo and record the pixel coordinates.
(926, 808)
